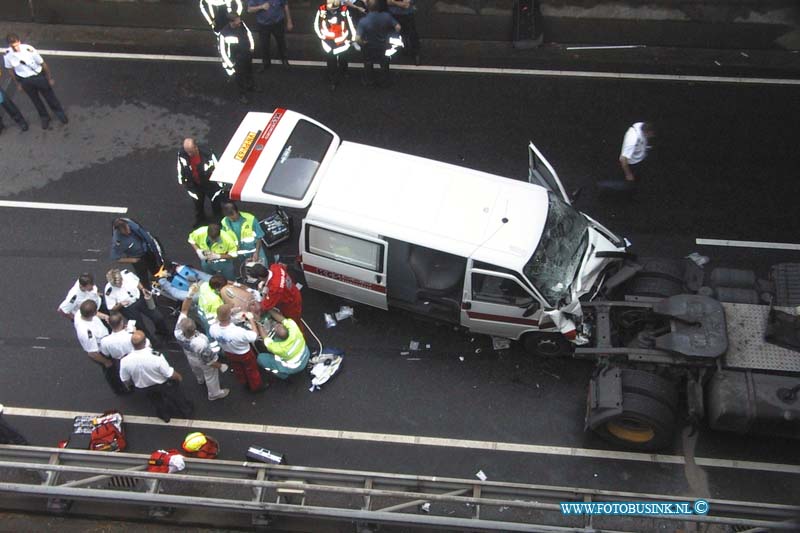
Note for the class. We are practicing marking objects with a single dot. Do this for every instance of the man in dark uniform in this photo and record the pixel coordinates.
(236, 47)
(195, 167)
(133, 245)
(12, 110)
(373, 35)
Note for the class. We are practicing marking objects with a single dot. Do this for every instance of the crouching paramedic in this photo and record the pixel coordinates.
(235, 341)
(199, 351)
(288, 352)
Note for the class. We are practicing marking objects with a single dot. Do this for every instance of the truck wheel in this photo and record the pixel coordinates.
(645, 424)
(651, 385)
(547, 345)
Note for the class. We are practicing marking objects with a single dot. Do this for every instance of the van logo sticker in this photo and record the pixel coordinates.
(241, 153)
(344, 279)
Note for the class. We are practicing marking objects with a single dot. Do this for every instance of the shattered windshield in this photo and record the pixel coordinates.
(553, 266)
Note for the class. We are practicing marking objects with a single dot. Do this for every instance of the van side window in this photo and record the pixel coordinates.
(344, 248)
(497, 290)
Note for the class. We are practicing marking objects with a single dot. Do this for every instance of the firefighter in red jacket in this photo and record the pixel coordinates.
(335, 29)
(278, 289)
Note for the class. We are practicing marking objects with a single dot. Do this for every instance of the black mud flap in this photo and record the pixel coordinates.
(604, 401)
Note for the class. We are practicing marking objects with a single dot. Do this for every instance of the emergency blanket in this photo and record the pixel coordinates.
(324, 366)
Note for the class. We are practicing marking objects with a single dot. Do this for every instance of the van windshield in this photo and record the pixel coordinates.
(297, 164)
(555, 262)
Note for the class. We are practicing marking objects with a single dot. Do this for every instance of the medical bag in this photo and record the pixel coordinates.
(276, 227)
(105, 433)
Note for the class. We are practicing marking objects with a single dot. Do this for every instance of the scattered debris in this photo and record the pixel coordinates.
(425, 507)
(500, 343)
(413, 346)
(324, 367)
(744, 54)
(483, 477)
(299, 286)
(405, 353)
(344, 312)
(478, 350)
(698, 259)
(717, 63)
(413, 358)
(595, 475)
(504, 508)
(330, 322)
(427, 346)
(461, 358)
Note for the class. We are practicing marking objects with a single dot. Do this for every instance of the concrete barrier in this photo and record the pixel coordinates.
(690, 23)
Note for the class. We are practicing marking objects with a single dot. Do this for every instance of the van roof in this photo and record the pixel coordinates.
(446, 207)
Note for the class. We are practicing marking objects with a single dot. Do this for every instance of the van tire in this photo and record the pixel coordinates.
(645, 424)
(547, 345)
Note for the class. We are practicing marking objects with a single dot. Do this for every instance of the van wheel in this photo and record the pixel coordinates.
(547, 345)
(645, 424)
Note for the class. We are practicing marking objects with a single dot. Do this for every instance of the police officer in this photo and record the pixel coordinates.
(84, 289)
(216, 12)
(373, 34)
(195, 166)
(124, 293)
(248, 232)
(149, 371)
(216, 248)
(236, 47)
(404, 11)
(272, 18)
(335, 29)
(133, 245)
(117, 345)
(34, 77)
(12, 110)
(90, 332)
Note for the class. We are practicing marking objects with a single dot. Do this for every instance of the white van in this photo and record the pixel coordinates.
(498, 256)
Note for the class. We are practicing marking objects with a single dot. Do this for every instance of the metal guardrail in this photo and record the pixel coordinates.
(269, 491)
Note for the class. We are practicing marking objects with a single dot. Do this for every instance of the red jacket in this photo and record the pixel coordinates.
(282, 292)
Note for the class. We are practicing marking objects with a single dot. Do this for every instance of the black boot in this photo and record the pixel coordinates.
(62, 117)
(45, 123)
(23, 124)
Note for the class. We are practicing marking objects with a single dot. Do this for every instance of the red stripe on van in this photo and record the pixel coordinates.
(344, 279)
(501, 318)
(255, 153)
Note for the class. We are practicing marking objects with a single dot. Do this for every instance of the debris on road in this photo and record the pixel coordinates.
(425, 507)
(461, 358)
(344, 312)
(405, 353)
(329, 321)
(413, 346)
(500, 343)
(698, 259)
(323, 368)
(482, 476)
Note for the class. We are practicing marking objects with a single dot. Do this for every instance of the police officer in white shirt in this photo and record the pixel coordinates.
(91, 331)
(34, 77)
(635, 147)
(124, 292)
(84, 289)
(202, 356)
(117, 344)
(149, 370)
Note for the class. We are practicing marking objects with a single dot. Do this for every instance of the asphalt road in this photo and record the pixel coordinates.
(724, 166)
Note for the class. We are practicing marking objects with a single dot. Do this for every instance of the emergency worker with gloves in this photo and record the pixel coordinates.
(236, 47)
(335, 29)
(195, 166)
(288, 352)
(216, 248)
(278, 289)
(133, 245)
(245, 227)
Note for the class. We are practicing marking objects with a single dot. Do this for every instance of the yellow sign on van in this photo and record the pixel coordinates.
(243, 150)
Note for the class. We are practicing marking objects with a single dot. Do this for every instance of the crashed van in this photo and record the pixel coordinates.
(498, 256)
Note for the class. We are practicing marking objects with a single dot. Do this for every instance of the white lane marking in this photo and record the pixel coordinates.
(89, 260)
(455, 69)
(42, 338)
(39, 347)
(748, 244)
(65, 207)
(391, 438)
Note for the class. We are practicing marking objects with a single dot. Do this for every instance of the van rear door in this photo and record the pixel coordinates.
(276, 158)
(344, 263)
(541, 172)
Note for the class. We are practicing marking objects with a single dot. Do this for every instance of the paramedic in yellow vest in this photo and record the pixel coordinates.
(208, 297)
(216, 249)
(287, 350)
(248, 233)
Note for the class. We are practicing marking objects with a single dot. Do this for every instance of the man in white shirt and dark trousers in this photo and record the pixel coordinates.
(149, 371)
(202, 358)
(125, 293)
(91, 331)
(117, 345)
(634, 150)
(235, 340)
(34, 77)
(84, 289)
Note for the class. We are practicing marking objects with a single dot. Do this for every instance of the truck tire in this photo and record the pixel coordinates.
(645, 424)
(547, 345)
(651, 385)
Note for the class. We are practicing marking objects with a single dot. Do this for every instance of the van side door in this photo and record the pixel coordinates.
(344, 263)
(495, 303)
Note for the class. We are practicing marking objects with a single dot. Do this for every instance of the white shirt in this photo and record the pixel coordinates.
(90, 332)
(144, 368)
(634, 144)
(196, 348)
(233, 339)
(127, 294)
(118, 344)
(26, 63)
(76, 296)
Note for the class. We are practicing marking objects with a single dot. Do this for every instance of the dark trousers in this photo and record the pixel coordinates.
(279, 31)
(244, 73)
(622, 187)
(111, 373)
(215, 198)
(169, 400)
(337, 66)
(9, 435)
(139, 309)
(146, 266)
(372, 56)
(409, 33)
(36, 87)
(11, 108)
